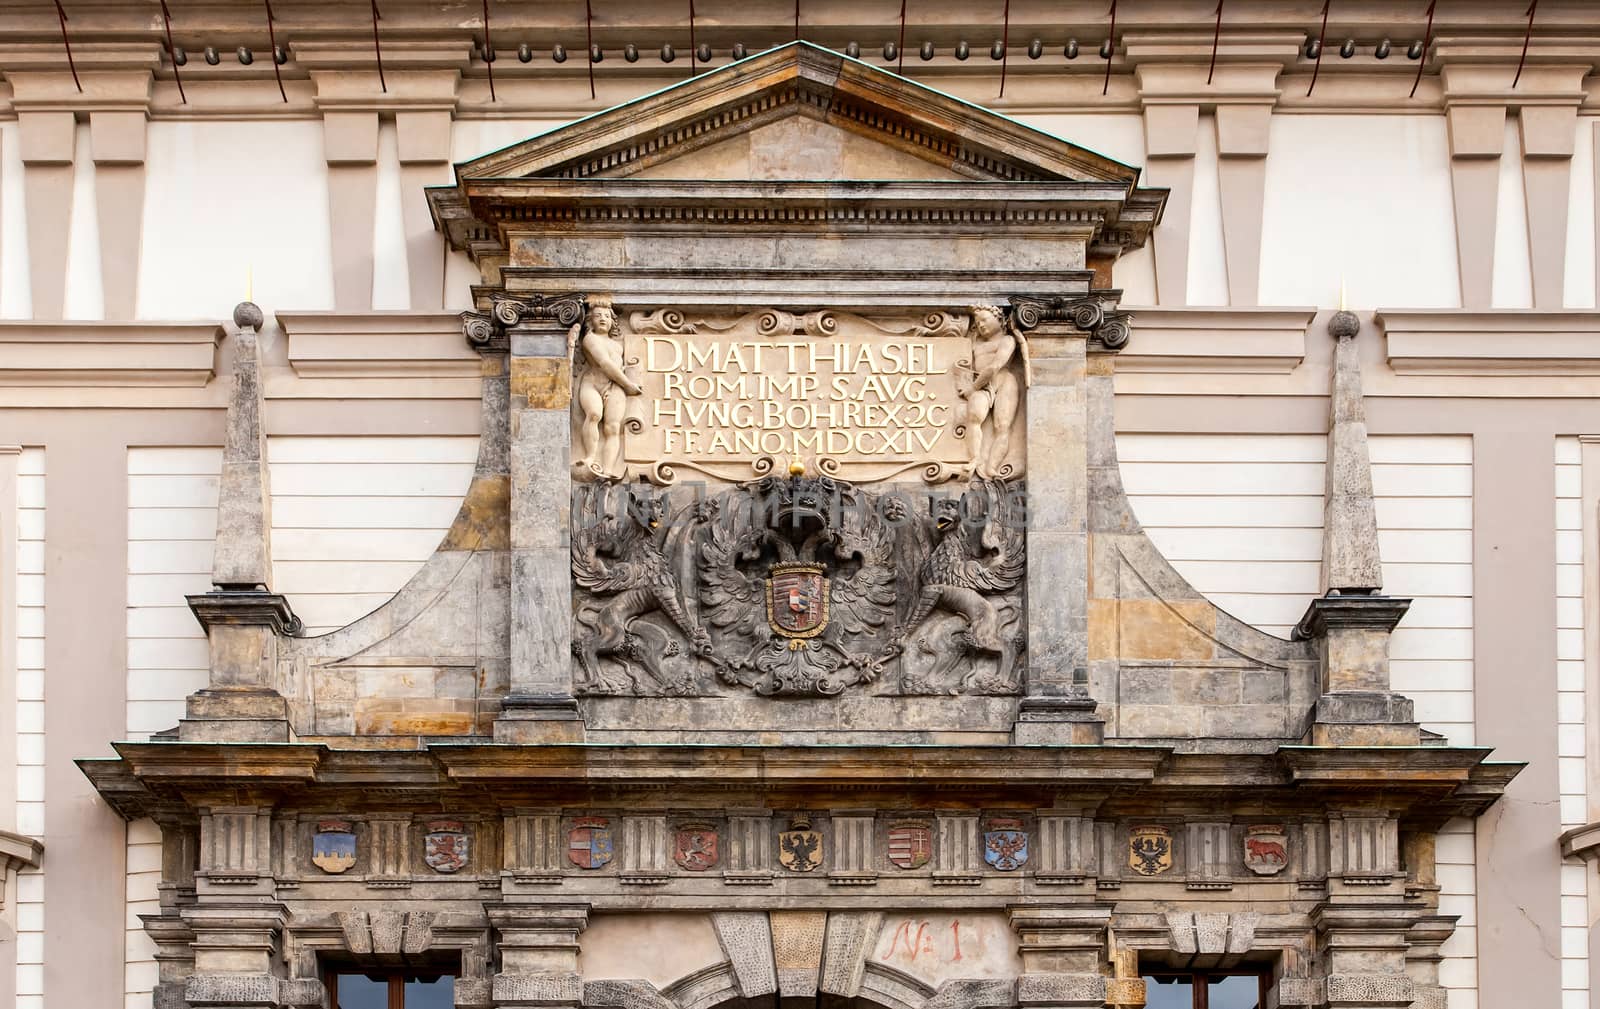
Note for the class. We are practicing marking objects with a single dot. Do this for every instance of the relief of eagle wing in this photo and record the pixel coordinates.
(992, 558)
(865, 599)
(729, 598)
(601, 546)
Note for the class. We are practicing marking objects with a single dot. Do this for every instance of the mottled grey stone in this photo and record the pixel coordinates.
(625, 995)
(418, 936)
(232, 991)
(537, 990)
(473, 993)
(387, 929)
(1350, 561)
(746, 939)
(357, 936)
(1360, 990)
(302, 993)
(1061, 990)
(850, 937)
(1300, 992)
(984, 993)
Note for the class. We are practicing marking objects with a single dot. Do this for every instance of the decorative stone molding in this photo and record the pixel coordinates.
(376, 345)
(134, 355)
(1492, 344)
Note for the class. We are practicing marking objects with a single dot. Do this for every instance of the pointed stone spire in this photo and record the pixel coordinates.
(1350, 562)
(243, 618)
(243, 550)
(1351, 621)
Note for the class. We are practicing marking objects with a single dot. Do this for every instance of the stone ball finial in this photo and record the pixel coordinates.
(248, 315)
(1344, 325)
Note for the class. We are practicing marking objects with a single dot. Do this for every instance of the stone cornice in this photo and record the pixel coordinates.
(108, 354)
(1505, 343)
(19, 851)
(1421, 780)
(1217, 340)
(377, 345)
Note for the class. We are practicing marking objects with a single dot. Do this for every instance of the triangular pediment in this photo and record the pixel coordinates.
(799, 112)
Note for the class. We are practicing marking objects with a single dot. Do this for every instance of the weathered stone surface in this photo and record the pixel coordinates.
(1061, 990)
(850, 938)
(232, 991)
(537, 990)
(623, 995)
(974, 994)
(797, 938)
(746, 938)
(1361, 990)
(1350, 562)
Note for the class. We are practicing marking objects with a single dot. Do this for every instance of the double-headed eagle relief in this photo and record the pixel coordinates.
(798, 505)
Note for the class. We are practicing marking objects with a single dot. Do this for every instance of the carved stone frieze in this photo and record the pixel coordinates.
(797, 586)
(668, 395)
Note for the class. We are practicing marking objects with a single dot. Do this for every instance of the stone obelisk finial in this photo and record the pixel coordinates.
(1351, 620)
(1350, 562)
(243, 618)
(243, 549)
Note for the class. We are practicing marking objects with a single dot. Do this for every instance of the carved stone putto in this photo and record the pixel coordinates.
(797, 586)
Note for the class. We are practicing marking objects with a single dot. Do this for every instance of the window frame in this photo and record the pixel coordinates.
(395, 977)
(1200, 982)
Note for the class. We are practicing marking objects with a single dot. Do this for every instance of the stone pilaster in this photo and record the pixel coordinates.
(540, 706)
(1056, 707)
(236, 961)
(538, 954)
(1064, 954)
(1351, 622)
(1363, 947)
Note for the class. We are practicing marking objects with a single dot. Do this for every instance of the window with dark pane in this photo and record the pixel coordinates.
(385, 989)
(1205, 990)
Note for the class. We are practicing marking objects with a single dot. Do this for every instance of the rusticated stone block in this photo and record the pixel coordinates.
(168, 995)
(1362, 990)
(797, 951)
(746, 939)
(301, 993)
(472, 993)
(1125, 991)
(624, 995)
(537, 990)
(387, 927)
(1300, 991)
(418, 932)
(972, 994)
(232, 991)
(357, 937)
(1061, 990)
(850, 936)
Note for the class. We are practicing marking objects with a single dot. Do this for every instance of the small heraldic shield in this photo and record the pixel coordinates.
(797, 600)
(1266, 849)
(589, 842)
(446, 847)
(1150, 850)
(910, 845)
(800, 847)
(695, 847)
(1005, 843)
(333, 849)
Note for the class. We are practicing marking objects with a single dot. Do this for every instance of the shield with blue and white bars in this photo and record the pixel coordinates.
(589, 842)
(1005, 844)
